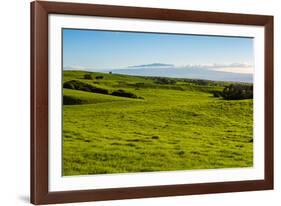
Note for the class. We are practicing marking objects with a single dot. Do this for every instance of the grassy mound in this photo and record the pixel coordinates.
(75, 97)
(83, 86)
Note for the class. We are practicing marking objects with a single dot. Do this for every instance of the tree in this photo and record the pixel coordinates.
(88, 76)
(236, 92)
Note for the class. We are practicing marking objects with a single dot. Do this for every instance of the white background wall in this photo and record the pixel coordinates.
(14, 102)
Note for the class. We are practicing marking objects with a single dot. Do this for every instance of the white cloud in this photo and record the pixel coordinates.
(243, 68)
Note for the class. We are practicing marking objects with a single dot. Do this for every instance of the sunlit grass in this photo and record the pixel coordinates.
(174, 127)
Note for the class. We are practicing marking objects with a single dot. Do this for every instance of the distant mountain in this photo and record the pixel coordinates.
(191, 73)
(154, 65)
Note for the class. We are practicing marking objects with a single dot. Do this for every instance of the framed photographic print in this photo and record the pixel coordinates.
(131, 102)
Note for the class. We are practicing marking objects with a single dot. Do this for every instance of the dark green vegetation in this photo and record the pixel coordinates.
(235, 92)
(69, 99)
(177, 124)
(79, 85)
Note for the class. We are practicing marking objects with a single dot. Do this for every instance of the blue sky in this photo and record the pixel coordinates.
(104, 50)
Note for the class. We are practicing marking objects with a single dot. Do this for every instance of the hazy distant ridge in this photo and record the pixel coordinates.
(191, 73)
(153, 65)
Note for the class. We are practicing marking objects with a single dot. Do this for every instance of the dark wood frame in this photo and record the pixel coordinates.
(39, 102)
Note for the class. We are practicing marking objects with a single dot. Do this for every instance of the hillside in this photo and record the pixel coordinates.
(142, 124)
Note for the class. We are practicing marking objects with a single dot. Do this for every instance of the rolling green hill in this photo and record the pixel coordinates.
(169, 124)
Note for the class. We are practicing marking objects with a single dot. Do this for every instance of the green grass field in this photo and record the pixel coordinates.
(168, 127)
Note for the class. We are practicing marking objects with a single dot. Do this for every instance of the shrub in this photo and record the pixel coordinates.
(99, 77)
(162, 80)
(78, 85)
(139, 84)
(217, 93)
(99, 90)
(235, 92)
(122, 93)
(201, 82)
(68, 100)
(88, 76)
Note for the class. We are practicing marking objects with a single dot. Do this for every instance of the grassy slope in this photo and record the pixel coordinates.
(175, 127)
